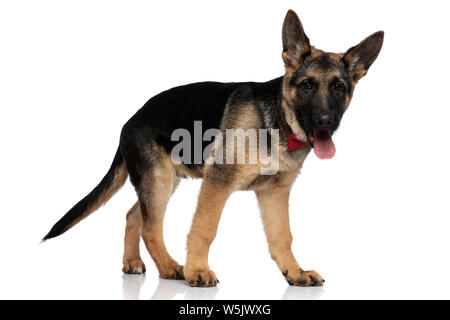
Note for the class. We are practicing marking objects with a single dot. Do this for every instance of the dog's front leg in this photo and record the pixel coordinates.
(212, 198)
(274, 203)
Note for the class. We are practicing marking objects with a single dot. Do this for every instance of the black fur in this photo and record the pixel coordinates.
(152, 126)
(178, 108)
(82, 206)
(154, 123)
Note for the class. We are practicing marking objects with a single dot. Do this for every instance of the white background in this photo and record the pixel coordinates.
(374, 221)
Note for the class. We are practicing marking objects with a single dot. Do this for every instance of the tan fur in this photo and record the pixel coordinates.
(273, 201)
(211, 201)
(132, 262)
(182, 171)
(119, 180)
(157, 187)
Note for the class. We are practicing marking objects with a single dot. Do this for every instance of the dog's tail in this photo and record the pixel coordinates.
(110, 184)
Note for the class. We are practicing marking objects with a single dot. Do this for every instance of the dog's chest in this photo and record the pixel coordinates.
(289, 168)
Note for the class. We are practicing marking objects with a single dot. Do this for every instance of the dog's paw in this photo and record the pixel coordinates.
(200, 278)
(302, 278)
(175, 272)
(133, 266)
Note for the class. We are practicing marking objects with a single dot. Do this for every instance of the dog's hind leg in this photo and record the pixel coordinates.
(132, 262)
(153, 176)
(155, 189)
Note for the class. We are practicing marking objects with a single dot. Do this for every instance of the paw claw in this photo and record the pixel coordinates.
(201, 278)
(304, 279)
(133, 266)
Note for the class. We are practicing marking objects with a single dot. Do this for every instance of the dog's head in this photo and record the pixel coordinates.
(318, 86)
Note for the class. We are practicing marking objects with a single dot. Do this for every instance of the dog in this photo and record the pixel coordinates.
(304, 107)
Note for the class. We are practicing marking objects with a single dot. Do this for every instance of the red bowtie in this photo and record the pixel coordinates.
(294, 143)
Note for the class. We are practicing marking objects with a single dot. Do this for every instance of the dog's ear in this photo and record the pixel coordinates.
(295, 42)
(359, 58)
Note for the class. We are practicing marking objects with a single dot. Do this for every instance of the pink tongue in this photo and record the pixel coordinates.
(323, 144)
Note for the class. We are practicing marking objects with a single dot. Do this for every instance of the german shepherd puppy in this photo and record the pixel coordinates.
(305, 105)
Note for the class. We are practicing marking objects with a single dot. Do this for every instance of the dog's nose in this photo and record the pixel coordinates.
(324, 120)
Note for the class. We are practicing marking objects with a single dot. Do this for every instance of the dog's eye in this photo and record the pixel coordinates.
(338, 86)
(306, 84)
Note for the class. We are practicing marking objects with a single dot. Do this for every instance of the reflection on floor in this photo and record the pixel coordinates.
(131, 286)
(169, 289)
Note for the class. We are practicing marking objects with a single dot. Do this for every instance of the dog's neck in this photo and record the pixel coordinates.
(287, 116)
(285, 119)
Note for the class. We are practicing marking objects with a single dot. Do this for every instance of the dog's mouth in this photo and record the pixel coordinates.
(322, 142)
